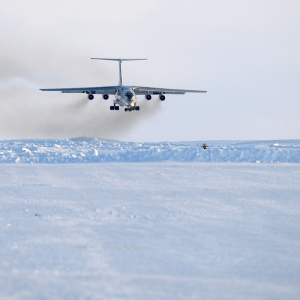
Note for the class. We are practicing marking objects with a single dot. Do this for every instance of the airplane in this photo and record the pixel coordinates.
(125, 96)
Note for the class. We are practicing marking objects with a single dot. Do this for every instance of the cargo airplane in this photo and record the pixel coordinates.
(125, 96)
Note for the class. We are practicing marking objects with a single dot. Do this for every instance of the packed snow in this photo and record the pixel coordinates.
(94, 150)
(168, 226)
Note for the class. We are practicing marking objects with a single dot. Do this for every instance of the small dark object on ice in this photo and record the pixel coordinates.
(204, 146)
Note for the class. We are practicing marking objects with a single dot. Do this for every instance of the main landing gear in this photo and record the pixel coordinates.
(114, 107)
(134, 108)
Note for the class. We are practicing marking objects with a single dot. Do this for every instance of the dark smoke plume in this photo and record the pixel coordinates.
(29, 113)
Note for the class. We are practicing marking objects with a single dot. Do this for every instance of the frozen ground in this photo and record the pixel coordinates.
(94, 150)
(159, 230)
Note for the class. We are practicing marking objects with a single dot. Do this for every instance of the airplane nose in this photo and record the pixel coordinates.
(129, 95)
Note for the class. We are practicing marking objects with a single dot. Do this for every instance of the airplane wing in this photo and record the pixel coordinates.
(142, 90)
(110, 90)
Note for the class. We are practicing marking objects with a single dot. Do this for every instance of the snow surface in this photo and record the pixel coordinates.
(175, 228)
(94, 150)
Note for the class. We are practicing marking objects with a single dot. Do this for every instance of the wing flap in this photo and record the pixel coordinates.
(142, 90)
(110, 90)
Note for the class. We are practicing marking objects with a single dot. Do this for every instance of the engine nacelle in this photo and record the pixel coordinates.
(105, 96)
(162, 97)
(148, 96)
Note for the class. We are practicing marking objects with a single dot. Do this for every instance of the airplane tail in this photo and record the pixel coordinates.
(120, 60)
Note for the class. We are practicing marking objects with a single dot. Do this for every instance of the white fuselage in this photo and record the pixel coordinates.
(126, 97)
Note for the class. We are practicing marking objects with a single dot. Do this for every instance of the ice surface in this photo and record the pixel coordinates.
(162, 230)
(94, 150)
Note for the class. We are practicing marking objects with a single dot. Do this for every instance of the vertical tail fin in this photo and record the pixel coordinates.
(120, 60)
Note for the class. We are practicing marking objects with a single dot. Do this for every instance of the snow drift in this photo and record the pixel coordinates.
(85, 150)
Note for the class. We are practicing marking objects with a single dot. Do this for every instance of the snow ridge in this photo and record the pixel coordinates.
(96, 150)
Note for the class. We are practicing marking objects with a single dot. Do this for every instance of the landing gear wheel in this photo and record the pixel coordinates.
(137, 108)
(114, 107)
(91, 97)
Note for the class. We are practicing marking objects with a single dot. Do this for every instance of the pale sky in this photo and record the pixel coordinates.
(244, 53)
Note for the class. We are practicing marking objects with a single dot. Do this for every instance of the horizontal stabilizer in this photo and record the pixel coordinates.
(120, 59)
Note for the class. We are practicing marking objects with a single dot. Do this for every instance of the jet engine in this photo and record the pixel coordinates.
(105, 96)
(162, 97)
(148, 96)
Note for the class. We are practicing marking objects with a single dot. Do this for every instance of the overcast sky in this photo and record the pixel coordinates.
(244, 53)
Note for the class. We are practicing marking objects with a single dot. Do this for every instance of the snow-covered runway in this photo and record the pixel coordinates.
(161, 230)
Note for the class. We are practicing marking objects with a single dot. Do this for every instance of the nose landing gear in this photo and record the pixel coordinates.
(133, 108)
